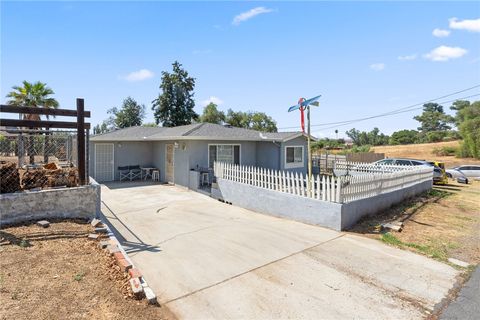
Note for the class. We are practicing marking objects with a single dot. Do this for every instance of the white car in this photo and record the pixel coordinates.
(469, 171)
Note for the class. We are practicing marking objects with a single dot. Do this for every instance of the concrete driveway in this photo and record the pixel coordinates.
(206, 259)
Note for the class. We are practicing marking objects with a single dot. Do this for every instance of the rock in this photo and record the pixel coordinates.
(136, 286)
(96, 223)
(93, 236)
(102, 230)
(151, 297)
(459, 263)
(43, 223)
(391, 226)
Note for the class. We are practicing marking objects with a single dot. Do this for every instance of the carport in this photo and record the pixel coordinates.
(207, 259)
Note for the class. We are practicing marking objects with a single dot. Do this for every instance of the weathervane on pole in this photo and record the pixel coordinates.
(302, 105)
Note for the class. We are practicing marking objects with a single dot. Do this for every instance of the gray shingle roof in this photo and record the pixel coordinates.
(197, 131)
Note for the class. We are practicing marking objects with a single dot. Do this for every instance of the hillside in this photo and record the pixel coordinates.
(424, 151)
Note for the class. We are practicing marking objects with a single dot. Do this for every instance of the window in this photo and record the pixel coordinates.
(294, 157)
(403, 162)
(228, 153)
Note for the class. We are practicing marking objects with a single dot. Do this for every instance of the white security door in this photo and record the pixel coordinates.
(104, 170)
(169, 163)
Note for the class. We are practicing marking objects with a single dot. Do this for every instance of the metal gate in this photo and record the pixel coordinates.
(104, 169)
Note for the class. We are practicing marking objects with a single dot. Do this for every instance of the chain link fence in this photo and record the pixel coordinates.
(37, 159)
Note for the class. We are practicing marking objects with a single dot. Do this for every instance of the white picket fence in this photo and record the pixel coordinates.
(326, 188)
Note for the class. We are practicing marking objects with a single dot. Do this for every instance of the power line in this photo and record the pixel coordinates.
(396, 111)
(443, 102)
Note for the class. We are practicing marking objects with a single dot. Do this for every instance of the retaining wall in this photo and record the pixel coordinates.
(79, 202)
(332, 215)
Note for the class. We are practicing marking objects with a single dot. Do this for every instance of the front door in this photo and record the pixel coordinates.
(169, 163)
(104, 162)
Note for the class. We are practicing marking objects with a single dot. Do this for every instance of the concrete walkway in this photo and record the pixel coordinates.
(209, 260)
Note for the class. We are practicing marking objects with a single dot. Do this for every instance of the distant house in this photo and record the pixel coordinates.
(178, 150)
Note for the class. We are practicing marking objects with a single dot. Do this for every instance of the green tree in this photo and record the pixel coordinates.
(130, 114)
(433, 118)
(212, 115)
(404, 137)
(150, 124)
(36, 95)
(458, 106)
(103, 127)
(174, 106)
(470, 130)
(259, 121)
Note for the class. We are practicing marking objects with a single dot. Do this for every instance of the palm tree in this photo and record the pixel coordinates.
(336, 133)
(33, 95)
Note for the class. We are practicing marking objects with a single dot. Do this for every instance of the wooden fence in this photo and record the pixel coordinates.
(323, 187)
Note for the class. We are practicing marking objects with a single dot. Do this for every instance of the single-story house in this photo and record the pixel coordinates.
(176, 151)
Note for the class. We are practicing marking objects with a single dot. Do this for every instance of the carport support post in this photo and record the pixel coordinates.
(81, 141)
(309, 185)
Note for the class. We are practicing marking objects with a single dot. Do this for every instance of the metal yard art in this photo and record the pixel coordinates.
(302, 105)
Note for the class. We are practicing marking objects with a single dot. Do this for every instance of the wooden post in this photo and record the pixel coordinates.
(81, 141)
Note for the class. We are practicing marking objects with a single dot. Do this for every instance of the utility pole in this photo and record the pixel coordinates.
(309, 187)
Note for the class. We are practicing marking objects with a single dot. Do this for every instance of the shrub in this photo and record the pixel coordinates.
(445, 151)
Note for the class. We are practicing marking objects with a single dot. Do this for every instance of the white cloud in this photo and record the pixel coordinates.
(469, 25)
(212, 99)
(139, 75)
(377, 66)
(440, 33)
(445, 53)
(244, 16)
(408, 57)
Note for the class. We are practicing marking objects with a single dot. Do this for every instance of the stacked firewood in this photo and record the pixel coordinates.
(62, 177)
(9, 177)
(34, 178)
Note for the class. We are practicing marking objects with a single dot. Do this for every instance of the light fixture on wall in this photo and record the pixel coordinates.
(119, 144)
(175, 145)
(184, 146)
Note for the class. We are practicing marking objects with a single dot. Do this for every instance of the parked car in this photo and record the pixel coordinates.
(469, 171)
(403, 162)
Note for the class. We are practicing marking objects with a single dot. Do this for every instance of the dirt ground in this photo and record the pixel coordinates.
(57, 273)
(442, 224)
(424, 151)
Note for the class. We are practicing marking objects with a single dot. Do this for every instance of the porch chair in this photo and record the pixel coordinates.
(156, 175)
(124, 173)
(135, 172)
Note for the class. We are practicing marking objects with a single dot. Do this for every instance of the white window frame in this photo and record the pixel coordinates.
(224, 144)
(294, 164)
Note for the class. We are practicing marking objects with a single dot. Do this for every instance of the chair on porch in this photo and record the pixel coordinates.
(135, 172)
(124, 173)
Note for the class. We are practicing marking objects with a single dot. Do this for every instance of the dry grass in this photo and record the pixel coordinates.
(425, 151)
(442, 225)
(56, 273)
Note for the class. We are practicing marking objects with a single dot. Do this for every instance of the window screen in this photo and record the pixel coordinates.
(294, 154)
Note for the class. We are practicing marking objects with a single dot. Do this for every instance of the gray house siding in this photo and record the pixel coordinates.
(300, 141)
(268, 155)
(192, 153)
(125, 153)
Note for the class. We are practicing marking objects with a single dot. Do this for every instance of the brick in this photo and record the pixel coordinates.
(43, 223)
(151, 297)
(96, 223)
(136, 286)
(118, 255)
(93, 236)
(101, 230)
(134, 273)
(103, 244)
(112, 249)
(124, 264)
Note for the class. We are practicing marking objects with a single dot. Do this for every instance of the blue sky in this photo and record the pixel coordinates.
(365, 58)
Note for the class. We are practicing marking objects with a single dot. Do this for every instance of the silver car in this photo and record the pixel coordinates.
(469, 171)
